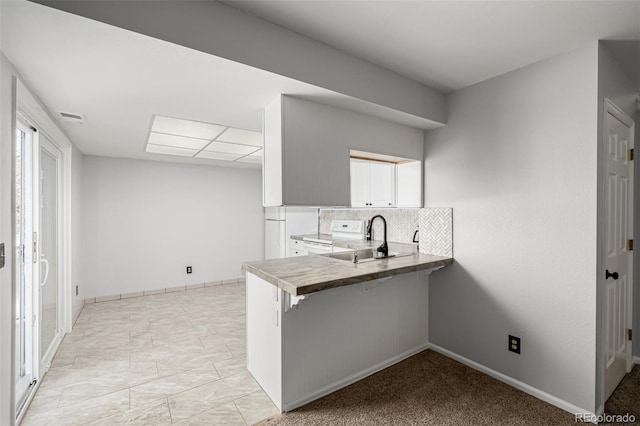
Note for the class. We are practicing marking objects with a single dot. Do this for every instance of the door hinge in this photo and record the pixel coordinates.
(629, 245)
(629, 334)
(630, 155)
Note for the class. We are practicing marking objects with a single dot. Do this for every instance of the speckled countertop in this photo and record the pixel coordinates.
(308, 274)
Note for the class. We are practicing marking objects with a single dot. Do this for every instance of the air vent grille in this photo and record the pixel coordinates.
(72, 117)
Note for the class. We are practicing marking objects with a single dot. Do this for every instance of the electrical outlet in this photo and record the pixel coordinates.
(189, 269)
(514, 344)
(77, 292)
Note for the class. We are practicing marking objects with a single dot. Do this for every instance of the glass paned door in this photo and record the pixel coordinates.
(48, 245)
(24, 294)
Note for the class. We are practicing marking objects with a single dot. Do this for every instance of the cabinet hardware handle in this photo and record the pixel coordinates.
(613, 275)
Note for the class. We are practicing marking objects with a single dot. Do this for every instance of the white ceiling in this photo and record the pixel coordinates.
(449, 45)
(119, 79)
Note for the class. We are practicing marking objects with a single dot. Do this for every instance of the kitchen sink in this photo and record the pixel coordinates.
(366, 255)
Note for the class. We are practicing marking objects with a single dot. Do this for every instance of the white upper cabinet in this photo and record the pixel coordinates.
(376, 183)
(359, 183)
(409, 184)
(372, 184)
(307, 152)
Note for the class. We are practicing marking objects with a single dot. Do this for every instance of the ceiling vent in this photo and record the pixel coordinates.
(72, 117)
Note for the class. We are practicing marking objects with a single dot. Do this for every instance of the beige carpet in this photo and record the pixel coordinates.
(626, 398)
(431, 389)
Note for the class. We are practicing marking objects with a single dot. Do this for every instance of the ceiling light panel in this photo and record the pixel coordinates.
(170, 150)
(187, 128)
(218, 156)
(245, 137)
(230, 148)
(176, 141)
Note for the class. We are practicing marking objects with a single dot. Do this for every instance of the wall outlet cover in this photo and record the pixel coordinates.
(189, 269)
(514, 344)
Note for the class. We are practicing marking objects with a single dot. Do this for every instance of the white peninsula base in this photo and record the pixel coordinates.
(334, 337)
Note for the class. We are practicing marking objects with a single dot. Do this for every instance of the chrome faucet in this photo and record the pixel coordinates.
(383, 249)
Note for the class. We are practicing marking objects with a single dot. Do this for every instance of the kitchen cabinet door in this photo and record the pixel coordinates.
(409, 184)
(372, 183)
(359, 183)
(382, 183)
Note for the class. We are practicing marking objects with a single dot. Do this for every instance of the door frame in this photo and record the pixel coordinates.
(609, 108)
(49, 352)
(27, 224)
(30, 111)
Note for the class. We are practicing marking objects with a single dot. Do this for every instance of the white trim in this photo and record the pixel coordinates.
(291, 405)
(27, 403)
(636, 360)
(614, 110)
(553, 400)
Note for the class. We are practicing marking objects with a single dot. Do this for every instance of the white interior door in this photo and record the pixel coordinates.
(619, 265)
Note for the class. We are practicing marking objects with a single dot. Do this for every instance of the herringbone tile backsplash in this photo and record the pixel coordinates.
(436, 231)
(435, 225)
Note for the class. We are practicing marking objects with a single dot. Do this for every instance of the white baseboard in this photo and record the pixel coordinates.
(291, 405)
(109, 298)
(636, 360)
(562, 404)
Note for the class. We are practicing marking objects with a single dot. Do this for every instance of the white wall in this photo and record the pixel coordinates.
(614, 83)
(517, 162)
(145, 221)
(7, 414)
(77, 260)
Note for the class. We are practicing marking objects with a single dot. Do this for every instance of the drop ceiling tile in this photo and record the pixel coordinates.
(245, 137)
(218, 156)
(250, 159)
(188, 128)
(230, 148)
(170, 150)
(176, 141)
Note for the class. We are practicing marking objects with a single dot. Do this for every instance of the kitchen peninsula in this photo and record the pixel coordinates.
(318, 323)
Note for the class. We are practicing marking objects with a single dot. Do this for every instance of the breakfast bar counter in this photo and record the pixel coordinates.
(309, 274)
(318, 323)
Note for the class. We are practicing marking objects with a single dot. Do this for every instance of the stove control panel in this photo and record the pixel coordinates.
(347, 227)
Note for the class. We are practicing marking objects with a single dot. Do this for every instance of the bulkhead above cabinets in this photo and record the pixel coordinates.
(307, 154)
(384, 181)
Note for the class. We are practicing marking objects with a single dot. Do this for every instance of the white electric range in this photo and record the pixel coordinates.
(341, 230)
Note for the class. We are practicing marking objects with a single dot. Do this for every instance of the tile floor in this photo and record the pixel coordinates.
(175, 358)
